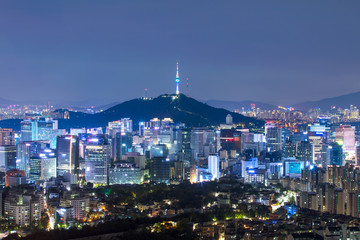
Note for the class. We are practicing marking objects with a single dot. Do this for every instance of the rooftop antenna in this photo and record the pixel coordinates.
(146, 94)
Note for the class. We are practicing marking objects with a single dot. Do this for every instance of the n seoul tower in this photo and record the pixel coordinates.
(177, 80)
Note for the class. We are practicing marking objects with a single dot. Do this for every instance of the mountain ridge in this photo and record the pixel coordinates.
(343, 101)
(180, 108)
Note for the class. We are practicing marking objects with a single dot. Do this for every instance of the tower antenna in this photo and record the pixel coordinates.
(177, 80)
(146, 93)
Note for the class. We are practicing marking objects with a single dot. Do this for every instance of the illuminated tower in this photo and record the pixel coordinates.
(177, 80)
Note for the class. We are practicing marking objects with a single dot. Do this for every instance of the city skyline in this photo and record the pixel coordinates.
(263, 51)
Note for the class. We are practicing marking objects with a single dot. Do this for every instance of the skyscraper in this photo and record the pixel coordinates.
(67, 154)
(24, 150)
(39, 129)
(97, 159)
(273, 137)
(345, 136)
(7, 157)
(43, 165)
(213, 166)
(159, 164)
(7, 136)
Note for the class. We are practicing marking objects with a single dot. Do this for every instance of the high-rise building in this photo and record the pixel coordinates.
(186, 152)
(7, 157)
(203, 142)
(144, 129)
(317, 139)
(304, 151)
(289, 149)
(25, 150)
(213, 166)
(159, 164)
(43, 165)
(27, 130)
(67, 154)
(121, 144)
(40, 129)
(335, 155)
(97, 159)
(345, 136)
(7, 136)
(123, 126)
(273, 137)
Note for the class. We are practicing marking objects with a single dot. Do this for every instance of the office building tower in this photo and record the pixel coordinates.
(121, 145)
(179, 170)
(289, 149)
(27, 130)
(144, 129)
(345, 136)
(97, 159)
(273, 137)
(335, 155)
(43, 165)
(213, 166)
(7, 158)
(24, 150)
(203, 142)
(7, 136)
(159, 164)
(40, 129)
(123, 126)
(67, 153)
(317, 139)
(186, 151)
(304, 151)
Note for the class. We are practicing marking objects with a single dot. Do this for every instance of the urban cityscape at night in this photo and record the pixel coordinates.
(209, 120)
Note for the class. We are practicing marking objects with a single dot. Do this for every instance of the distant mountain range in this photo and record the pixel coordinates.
(343, 101)
(232, 105)
(180, 108)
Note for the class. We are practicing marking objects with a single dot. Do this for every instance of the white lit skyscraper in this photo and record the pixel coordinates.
(97, 159)
(213, 165)
(345, 137)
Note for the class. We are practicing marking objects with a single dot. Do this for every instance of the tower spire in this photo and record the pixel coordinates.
(177, 80)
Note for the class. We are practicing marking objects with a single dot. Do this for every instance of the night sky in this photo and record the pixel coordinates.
(272, 51)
